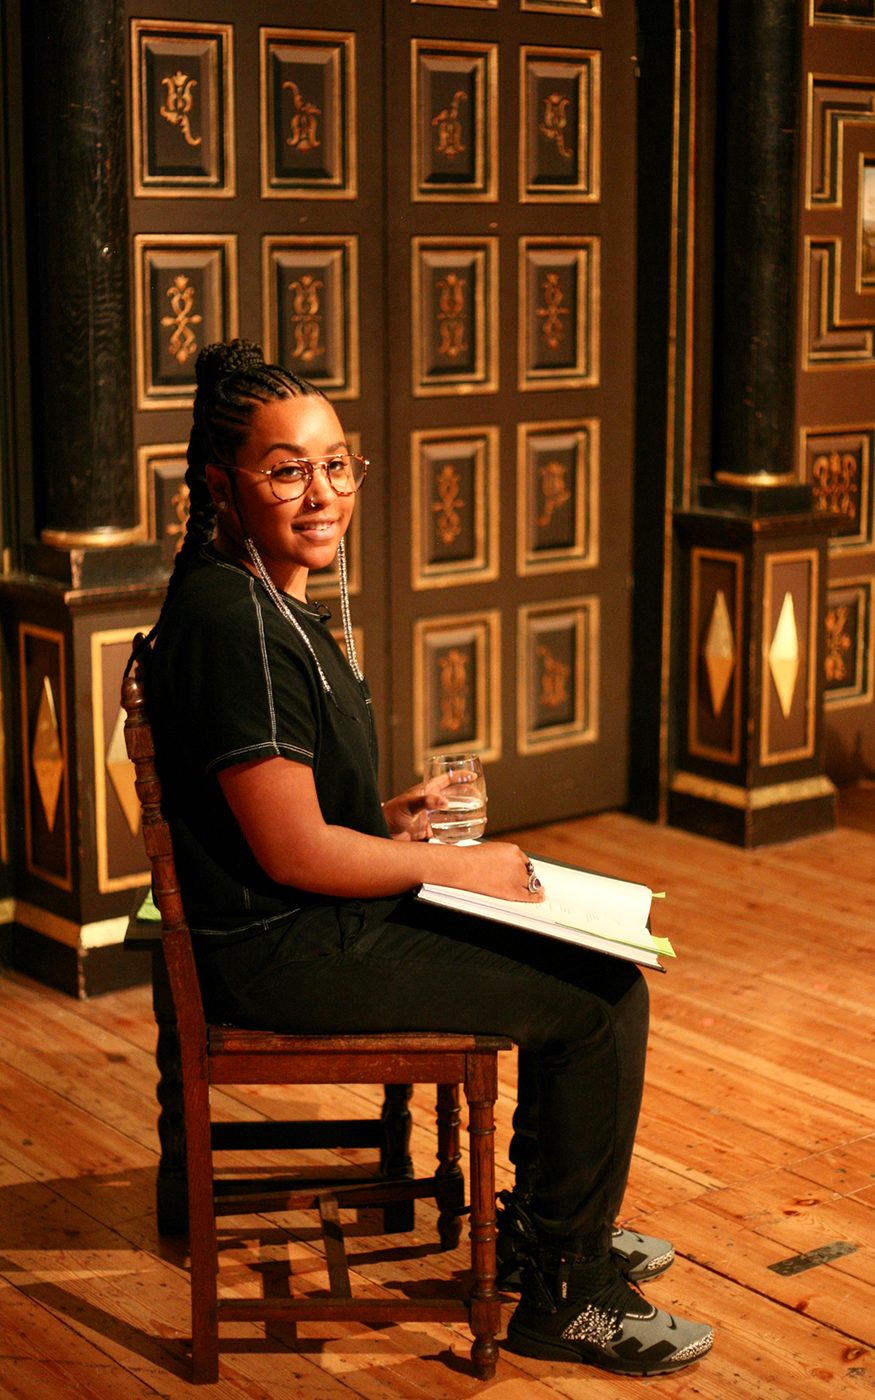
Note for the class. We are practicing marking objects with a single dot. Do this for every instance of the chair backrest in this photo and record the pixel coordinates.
(176, 936)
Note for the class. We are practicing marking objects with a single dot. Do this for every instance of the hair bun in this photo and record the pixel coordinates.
(216, 362)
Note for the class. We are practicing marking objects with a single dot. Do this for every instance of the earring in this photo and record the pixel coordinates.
(222, 504)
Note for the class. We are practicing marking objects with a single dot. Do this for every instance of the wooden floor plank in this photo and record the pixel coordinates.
(756, 1146)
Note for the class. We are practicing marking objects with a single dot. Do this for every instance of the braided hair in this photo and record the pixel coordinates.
(233, 380)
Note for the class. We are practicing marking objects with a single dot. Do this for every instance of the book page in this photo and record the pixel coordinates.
(594, 903)
(575, 899)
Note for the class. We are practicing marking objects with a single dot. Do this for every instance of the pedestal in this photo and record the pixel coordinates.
(748, 766)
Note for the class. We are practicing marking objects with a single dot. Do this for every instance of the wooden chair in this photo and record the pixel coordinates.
(220, 1054)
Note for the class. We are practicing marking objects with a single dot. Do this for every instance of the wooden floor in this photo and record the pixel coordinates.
(756, 1147)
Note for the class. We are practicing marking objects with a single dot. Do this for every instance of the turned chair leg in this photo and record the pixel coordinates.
(481, 1091)
(451, 1182)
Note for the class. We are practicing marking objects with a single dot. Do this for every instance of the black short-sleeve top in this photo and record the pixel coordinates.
(232, 681)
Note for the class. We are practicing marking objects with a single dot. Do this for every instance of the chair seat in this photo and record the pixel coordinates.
(234, 1039)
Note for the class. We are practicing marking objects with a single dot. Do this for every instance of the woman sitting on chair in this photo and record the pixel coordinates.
(297, 881)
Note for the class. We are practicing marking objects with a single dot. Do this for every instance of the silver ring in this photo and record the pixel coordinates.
(533, 884)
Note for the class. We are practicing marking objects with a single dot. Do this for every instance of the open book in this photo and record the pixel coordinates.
(595, 911)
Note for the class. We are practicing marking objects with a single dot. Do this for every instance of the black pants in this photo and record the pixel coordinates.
(579, 1018)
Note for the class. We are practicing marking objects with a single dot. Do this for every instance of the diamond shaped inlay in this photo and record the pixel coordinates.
(47, 757)
(784, 655)
(719, 652)
(122, 775)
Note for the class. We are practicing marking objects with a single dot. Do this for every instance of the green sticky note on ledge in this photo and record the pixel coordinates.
(148, 911)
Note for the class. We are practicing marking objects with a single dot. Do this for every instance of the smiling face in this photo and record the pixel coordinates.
(292, 537)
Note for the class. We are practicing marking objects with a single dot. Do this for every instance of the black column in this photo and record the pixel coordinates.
(759, 49)
(85, 479)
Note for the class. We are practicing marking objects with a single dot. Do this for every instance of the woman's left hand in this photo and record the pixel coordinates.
(407, 814)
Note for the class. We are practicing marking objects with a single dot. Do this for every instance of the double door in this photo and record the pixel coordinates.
(428, 209)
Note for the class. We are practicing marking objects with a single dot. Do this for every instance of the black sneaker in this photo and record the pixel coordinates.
(576, 1309)
(638, 1257)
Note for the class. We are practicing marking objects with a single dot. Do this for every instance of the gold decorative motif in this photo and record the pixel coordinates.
(838, 644)
(454, 690)
(178, 104)
(555, 122)
(552, 314)
(784, 655)
(452, 315)
(834, 478)
(447, 507)
(303, 122)
(47, 755)
(719, 652)
(182, 78)
(183, 341)
(306, 317)
(449, 128)
(555, 675)
(122, 775)
(555, 491)
(175, 529)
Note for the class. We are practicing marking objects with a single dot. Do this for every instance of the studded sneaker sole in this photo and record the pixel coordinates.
(648, 1344)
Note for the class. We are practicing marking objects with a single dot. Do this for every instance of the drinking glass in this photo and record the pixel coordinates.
(464, 816)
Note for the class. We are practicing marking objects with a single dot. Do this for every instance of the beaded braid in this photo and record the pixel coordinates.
(233, 380)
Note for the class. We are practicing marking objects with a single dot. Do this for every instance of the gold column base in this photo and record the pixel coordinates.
(752, 817)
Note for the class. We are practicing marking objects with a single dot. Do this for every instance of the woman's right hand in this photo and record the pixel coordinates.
(496, 868)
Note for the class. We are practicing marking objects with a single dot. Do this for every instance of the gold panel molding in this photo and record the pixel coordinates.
(454, 121)
(716, 644)
(557, 495)
(308, 114)
(849, 13)
(45, 750)
(163, 494)
(120, 856)
(838, 463)
(563, 7)
(455, 315)
(457, 685)
(752, 799)
(558, 671)
(185, 297)
(560, 312)
(829, 339)
(849, 656)
(182, 109)
(310, 305)
(789, 651)
(560, 125)
(834, 104)
(454, 506)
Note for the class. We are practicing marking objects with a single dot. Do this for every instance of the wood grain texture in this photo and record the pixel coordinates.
(756, 1144)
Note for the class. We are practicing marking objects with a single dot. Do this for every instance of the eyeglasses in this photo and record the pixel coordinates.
(344, 472)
